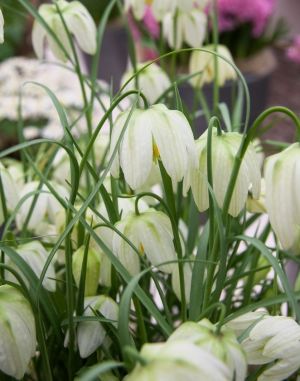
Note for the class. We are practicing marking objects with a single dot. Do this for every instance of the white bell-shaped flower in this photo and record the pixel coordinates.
(46, 206)
(151, 233)
(156, 132)
(17, 332)
(186, 27)
(223, 345)
(1, 27)
(204, 64)
(282, 176)
(177, 361)
(273, 339)
(35, 255)
(224, 150)
(91, 334)
(152, 81)
(78, 21)
(10, 190)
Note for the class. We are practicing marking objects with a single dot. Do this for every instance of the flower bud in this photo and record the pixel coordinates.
(17, 332)
(92, 269)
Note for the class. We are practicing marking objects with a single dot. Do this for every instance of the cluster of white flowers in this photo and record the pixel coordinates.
(17, 75)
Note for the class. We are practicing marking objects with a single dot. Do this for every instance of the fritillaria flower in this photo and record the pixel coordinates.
(151, 233)
(154, 133)
(17, 332)
(152, 81)
(282, 173)
(78, 21)
(204, 64)
(224, 151)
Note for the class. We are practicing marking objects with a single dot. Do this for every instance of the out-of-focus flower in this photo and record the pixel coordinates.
(293, 52)
(223, 345)
(152, 81)
(17, 332)
(224, 151)
(233, 13)
(177, 361)
(188, 271)
(186, 27)
(273, 339)
(1, 27)
(92, 269)
(204, 64)
(78, 21)
(152, 134)
(151, 233)
(46, 207)
(9, 191)
(91, 334)
(35, 255)
(282, 174)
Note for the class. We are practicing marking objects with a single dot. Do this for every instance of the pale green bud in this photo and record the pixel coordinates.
(92, 269)
(1, 27)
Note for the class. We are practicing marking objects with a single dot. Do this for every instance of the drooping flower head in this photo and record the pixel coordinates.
(153, 81)
(78, 21)
(151, 233)
(154, 133)
(273, 340)
(224, 151)
(282, 174)
(17, 332)
(203, 63)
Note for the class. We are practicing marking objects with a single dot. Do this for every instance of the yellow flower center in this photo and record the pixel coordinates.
(156, 153)
(141, 249)
(148, 2)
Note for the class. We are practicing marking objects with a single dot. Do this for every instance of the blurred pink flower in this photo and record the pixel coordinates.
(233, 13)
(150, 23)
(293, 52)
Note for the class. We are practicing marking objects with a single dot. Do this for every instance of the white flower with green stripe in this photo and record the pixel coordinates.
(282, 176)
(151, 234)
(224, 150)
(79, 22)
(17, 332)
(152, 134)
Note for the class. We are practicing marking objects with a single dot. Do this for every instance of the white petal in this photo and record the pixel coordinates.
(136, 151)
(38, 39)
